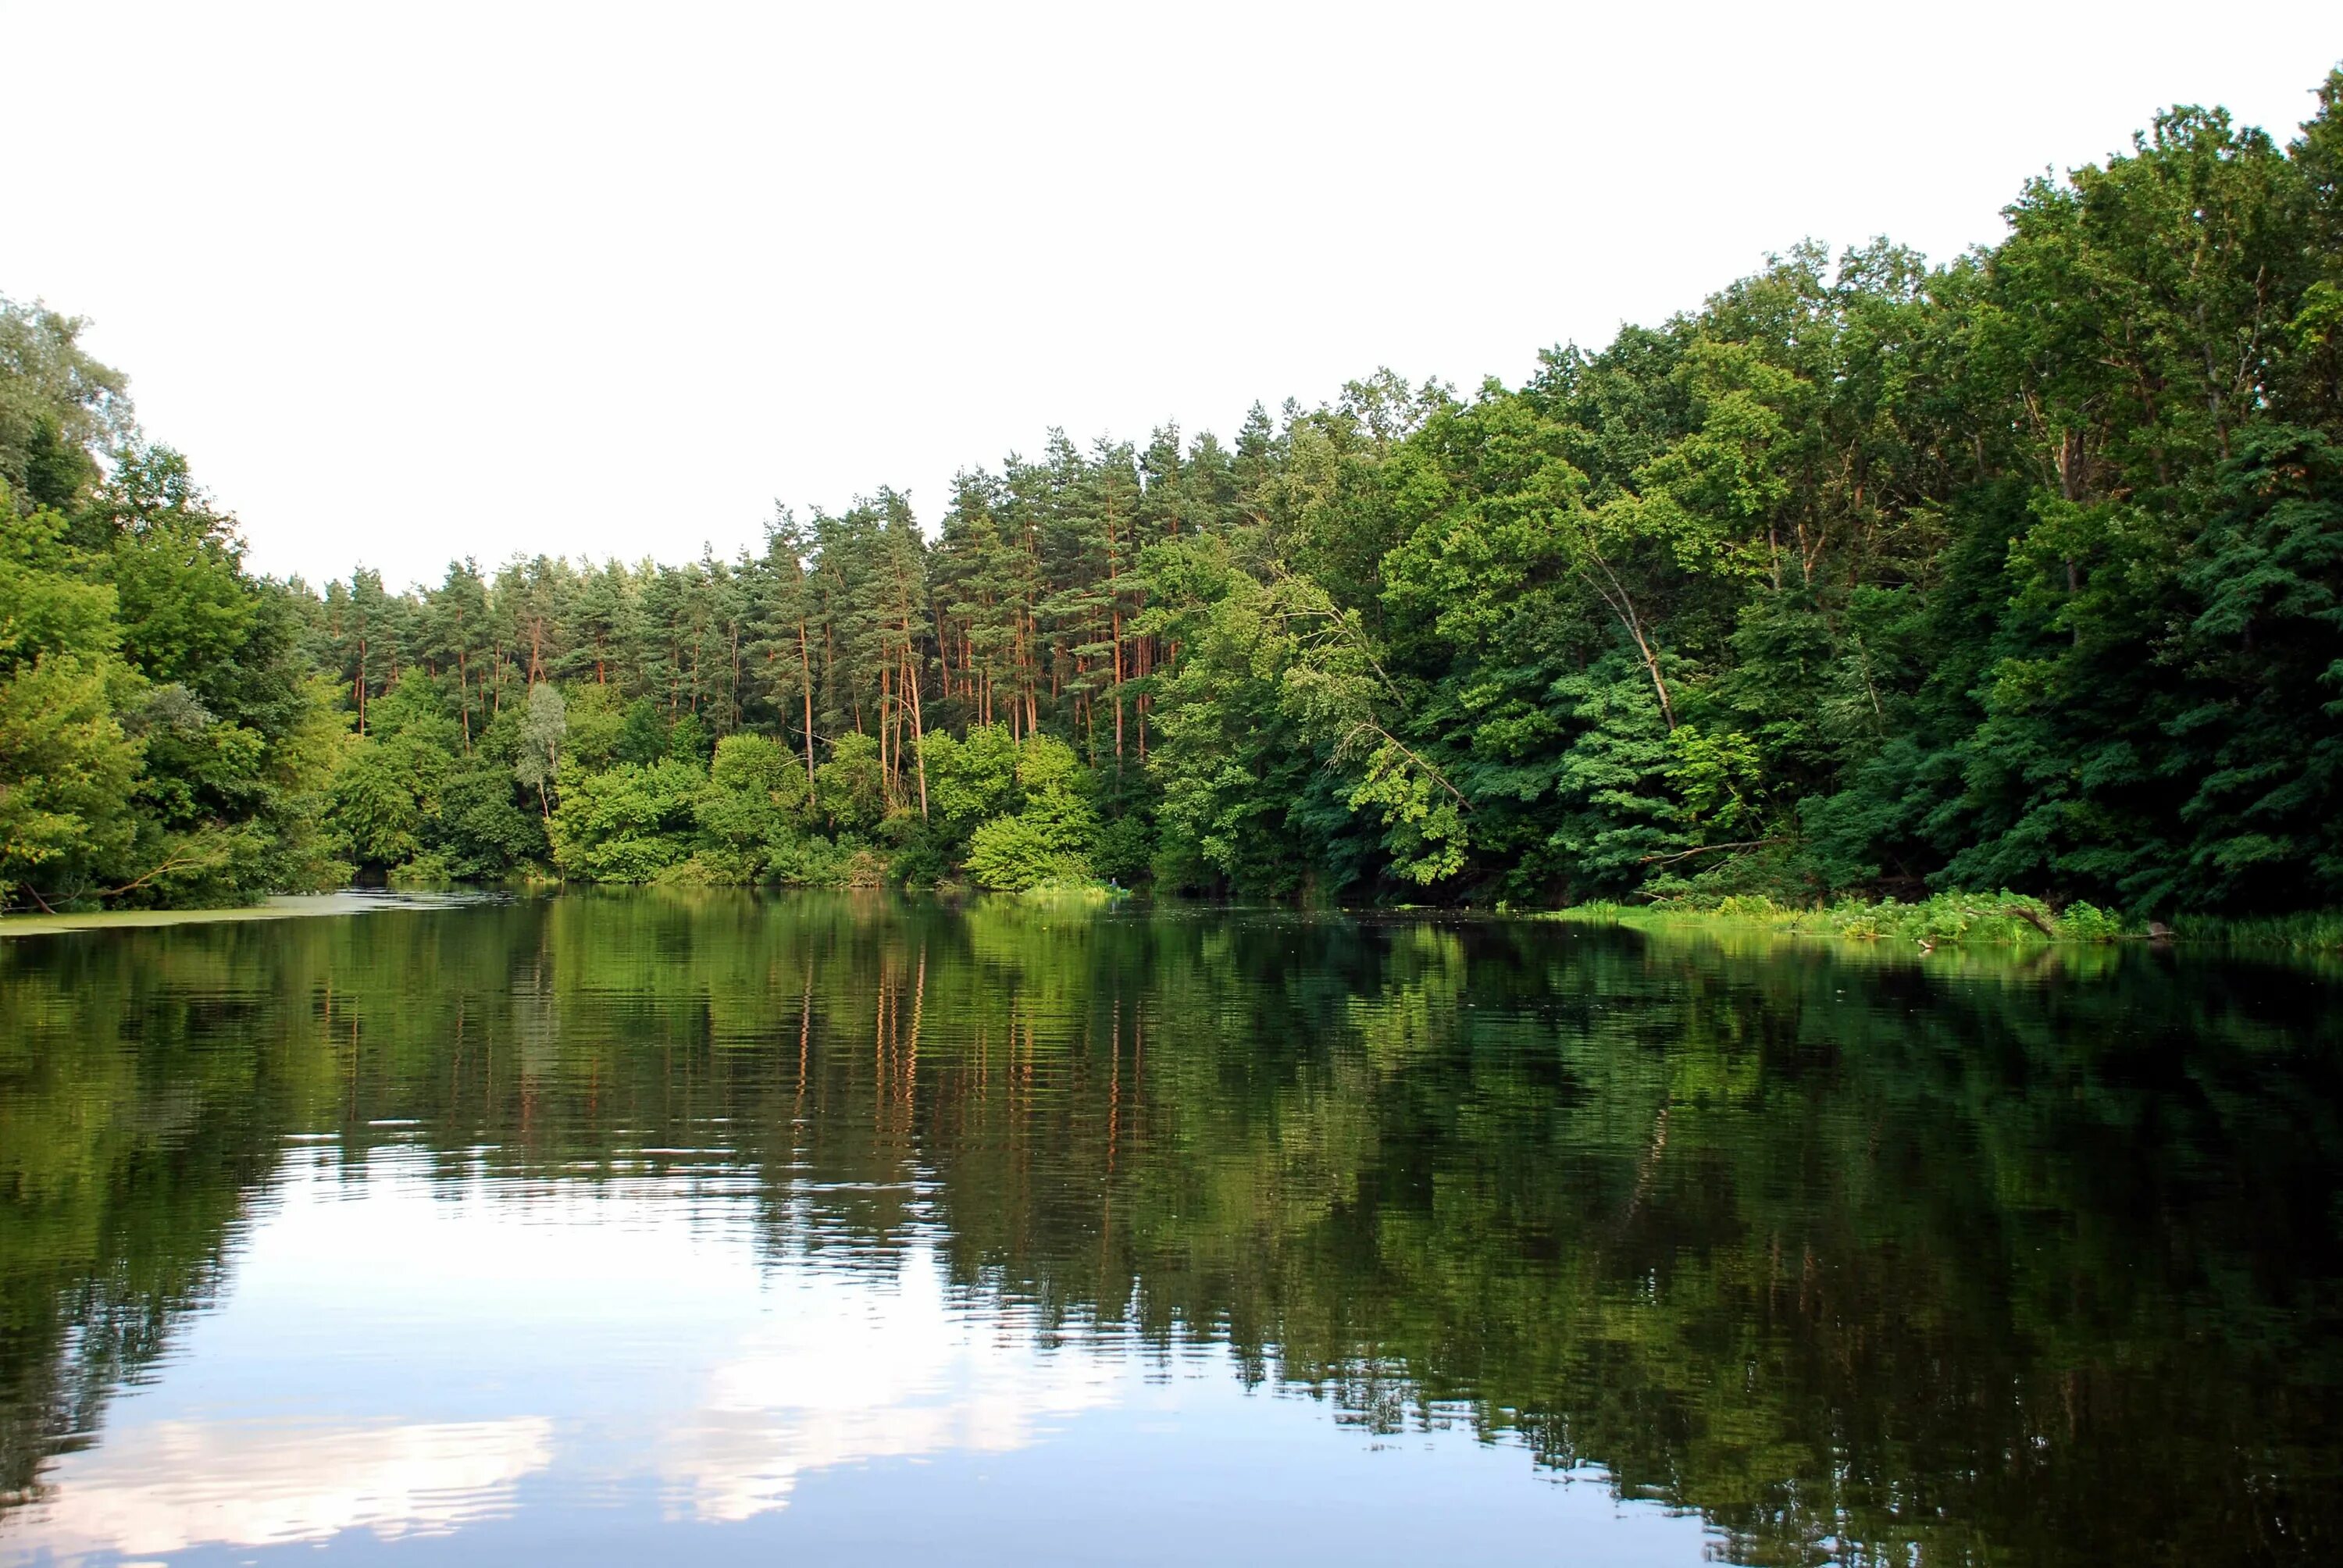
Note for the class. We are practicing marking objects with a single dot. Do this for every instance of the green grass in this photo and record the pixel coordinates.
(1071, 891)
(2321, 932)
(1966, 920)
(1998, 919)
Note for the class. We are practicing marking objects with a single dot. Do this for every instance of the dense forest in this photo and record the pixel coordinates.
(1869, 576)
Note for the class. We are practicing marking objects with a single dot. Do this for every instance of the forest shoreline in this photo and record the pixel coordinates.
(1866, 574)
(1969, 921)
(278, 907)
(1970, 924)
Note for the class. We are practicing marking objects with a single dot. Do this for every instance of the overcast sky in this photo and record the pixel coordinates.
(410, 282)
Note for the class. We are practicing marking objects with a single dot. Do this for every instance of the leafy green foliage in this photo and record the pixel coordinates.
(65, 782)
(161, 742)
(1049, 839)
(627, 823)
(1865, 577)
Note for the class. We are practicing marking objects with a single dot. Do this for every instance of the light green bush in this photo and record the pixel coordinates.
(627, 823)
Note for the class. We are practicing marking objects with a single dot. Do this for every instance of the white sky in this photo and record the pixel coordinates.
(418, 281)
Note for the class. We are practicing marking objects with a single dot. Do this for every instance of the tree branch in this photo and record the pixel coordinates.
(2034, 919)
(1393, 743)
(1357, 638)
(173, 863)
(1707, 849)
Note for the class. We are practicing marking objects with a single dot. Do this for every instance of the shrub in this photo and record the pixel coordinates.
(971, 779)
(479, 830)
(1123, 848)
(380, 798)
(849, 788)
(1050, 840)
(2088, 923)
(755, 797)
(812, 862)
(1010, 854)
(626, 824)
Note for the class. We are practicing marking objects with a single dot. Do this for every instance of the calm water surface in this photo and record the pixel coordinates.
(607, 1229)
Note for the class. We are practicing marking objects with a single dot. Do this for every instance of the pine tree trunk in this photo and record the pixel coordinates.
(805, 664)
(919, 751)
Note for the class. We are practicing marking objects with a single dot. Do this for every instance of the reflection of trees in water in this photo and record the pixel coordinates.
(128, 1150)
(2036, 1264)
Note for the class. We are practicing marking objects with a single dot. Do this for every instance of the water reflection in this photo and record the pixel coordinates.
(635, 1344)
(688, 1210)
(164, 1486)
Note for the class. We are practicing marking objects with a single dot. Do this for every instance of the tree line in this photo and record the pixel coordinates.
(2023, 571)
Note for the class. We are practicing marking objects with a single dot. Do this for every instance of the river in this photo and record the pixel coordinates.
(706, 1227)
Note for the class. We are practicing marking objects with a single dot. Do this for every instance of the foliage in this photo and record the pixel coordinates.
(1049, 839)
(2003, 919)
(626, 824)
(1866, 578)
(159, 741)
(536, 753)
(64, 787)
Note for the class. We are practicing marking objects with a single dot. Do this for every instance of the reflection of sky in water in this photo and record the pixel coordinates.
(165, 1485)
(419, 1366)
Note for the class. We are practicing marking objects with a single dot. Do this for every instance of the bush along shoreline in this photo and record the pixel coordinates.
(1862, 581)
(1961, 919)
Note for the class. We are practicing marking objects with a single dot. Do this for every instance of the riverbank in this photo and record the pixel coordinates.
(1949, 920)
(286, 906)
(370, 900)
(1966, 920)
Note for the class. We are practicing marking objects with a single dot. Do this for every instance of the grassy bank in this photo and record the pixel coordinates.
(2321, 933)
(1968, 920)
(288, 906)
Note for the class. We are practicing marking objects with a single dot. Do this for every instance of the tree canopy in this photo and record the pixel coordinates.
(1866, 576)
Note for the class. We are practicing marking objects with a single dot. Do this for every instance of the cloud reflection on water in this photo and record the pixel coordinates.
(166, 1486)
(895, 1377)
(661, 1349)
